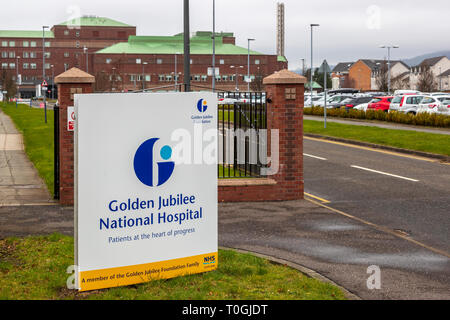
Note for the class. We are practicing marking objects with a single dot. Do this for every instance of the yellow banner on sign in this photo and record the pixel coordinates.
(123, 276)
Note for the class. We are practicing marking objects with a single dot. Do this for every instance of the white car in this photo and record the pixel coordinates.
(362, 107)
(431, 104)
(406, 103)
(444, 107)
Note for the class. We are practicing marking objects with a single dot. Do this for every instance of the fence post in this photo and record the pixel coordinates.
(71, 82)
(285, 94)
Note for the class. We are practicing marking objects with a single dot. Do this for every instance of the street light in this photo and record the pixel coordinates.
(43, 68)
(248, 65)
(236, 75)
(143, 75)
(85, 50)
(312, 68)
(389, 64)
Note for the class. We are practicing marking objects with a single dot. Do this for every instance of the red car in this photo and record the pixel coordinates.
(380, 103)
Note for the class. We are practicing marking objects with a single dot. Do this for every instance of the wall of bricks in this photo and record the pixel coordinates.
(285, 91)
(66, 92)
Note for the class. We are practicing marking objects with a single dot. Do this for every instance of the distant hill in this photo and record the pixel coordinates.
(416, 60)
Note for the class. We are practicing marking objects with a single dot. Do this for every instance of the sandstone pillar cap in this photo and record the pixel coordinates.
(284, 77)
(74, 75)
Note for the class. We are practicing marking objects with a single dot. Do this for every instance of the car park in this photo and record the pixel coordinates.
(380, 103)
(406, 103)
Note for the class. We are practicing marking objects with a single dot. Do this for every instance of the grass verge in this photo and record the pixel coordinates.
(35, 268)
(412, 140)
(37, 136)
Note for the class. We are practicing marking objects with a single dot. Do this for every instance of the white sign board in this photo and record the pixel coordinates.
(70, 118)
(145, 187)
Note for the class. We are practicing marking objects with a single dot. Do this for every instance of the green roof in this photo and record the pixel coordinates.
(88, 21)
(315, 85)
(281, 59)
(24, 34)
(200, 44)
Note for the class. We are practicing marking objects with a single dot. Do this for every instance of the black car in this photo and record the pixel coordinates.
(356, 101)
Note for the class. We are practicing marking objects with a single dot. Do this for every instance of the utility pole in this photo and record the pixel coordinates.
(214, 48)
(85, 49)
(312, 68)
(43, 69)
(248, 65)
(187, 49)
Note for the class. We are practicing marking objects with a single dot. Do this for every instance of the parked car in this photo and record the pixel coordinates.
(431, 104)
(357, 101)
(406, 103)
(331, 100)
(444, 107)
(403, 92)
(380, 103)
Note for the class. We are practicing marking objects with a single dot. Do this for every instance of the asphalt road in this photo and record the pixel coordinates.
(404, 193)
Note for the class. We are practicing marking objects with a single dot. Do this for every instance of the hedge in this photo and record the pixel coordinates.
(421, 119)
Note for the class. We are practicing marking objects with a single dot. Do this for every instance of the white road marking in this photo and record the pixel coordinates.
(315, 157)
(385, 173)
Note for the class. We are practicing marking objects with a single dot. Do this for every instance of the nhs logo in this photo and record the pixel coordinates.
(148, 169)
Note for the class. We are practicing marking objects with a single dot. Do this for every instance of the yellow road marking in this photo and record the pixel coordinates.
(316, 197)
(373, 149)
(383, 229)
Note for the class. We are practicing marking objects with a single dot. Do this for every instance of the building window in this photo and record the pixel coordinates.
(138, 61)
(47, 44)
(77, 44)
(12, 54)
(47, 66)
(108, 61)
(256, 61)
(218, 78)
(66, 32)
(25, 55)
(159, 61)
(12, 65)
(204, 78)
(161, 77)
(191, 61)
(132, 77)
(25, 65)
(148, 78)
(168, 78)
(66, 66)
(47, 55)
(12, 43)
(33, 55)
(4, 43)
(4, 54)
(225, 78)
(4, 65)
(77, 34)
(222, 61)
(33, 44)
(66, 54)
(26, 44)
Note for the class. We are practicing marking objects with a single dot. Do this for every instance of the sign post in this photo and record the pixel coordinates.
(145, 187)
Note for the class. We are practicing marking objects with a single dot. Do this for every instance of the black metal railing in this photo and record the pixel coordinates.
(242, 134)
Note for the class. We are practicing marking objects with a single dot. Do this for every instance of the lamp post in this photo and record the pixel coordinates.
(176, 72)
(236, 75)
(53, 81)
(312, 25)
(389, 64)
(17, 77)
(248, 65)
(143, 75)
(214, 48)
(43, 68)
(85, 50)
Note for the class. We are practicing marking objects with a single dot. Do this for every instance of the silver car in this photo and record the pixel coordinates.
(406, 103)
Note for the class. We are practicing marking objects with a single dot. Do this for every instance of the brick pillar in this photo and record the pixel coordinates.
(285, 92)
(73, 81)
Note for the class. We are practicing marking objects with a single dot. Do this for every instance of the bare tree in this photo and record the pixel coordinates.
(8, 84)
(382, 77)
(101, 81)
(427, 81)
(257, 84)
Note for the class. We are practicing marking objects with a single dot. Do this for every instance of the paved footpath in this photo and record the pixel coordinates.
(20, 183)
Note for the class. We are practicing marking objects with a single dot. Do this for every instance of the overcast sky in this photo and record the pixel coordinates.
(349, 29)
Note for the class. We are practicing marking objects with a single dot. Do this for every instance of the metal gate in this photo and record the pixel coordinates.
(242, 127)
